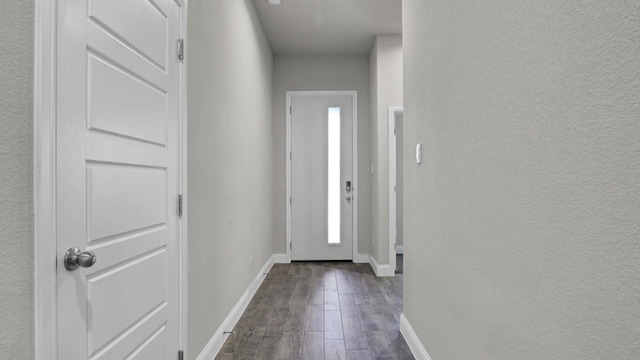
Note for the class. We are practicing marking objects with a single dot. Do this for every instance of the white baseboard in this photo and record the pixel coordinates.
(381, 270)
(399, 249)
(418, 350)
(361, 259)
(217, 340)
(280, 259)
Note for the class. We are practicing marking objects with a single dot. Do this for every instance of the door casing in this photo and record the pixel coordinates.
(45, 84)
(393, 179)
(354, 97)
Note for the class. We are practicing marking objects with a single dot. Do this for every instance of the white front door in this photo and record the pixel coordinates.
(321, 177)
(117, 166)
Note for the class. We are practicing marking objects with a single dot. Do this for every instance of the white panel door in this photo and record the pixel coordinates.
(321, 167)
(117, 182)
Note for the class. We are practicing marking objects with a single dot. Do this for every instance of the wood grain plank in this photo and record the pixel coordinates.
(248, 344)
(277, 320)
(315, 318)
(268, 347)
(330, 282)
(316, 295)
(354, 336)
(290, 346)
(334, 350)
(313, 346)
(344, 286)
(348, 306)
(359, 355)
(333, 325)
(331, 300)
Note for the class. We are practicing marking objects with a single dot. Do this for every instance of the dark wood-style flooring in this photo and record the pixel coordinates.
(321, 310)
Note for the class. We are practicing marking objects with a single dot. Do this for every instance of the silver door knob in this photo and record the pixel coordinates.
(348, 198)
(75, 258)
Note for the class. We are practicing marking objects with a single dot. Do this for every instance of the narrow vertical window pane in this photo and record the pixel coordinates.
(334, 196)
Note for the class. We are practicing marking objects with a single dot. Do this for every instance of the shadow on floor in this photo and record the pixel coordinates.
(399, 264)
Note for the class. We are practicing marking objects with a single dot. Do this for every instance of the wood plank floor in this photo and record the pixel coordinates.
(321, 310)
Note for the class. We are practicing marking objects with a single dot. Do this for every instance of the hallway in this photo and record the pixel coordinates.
(321, 310)
(521, 179)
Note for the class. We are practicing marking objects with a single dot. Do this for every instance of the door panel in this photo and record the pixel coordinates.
(154, 348)
(117, 158)
(121, 53)
(309, 177)
(123, 199)
(135, 339)
(140, 24)
(120, 288)
(121, 104)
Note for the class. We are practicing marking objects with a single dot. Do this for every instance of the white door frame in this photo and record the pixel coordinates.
(45, 84)
(354, 97)
(393, 179)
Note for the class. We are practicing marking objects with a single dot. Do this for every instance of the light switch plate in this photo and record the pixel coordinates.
(419, 154)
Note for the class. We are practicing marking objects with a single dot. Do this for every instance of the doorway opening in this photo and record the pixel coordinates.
(396, 198)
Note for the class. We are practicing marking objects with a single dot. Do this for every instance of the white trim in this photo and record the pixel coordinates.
(280, 259)
(355, 186)
(400, 249)
(362, 259)
(184, 223)
(287, 242)
(418, 350)
(393, 177)
(44, 179)
(45, 84)
(217, 340)
(384, 270)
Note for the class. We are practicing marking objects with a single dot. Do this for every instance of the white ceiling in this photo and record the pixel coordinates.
(328, 26)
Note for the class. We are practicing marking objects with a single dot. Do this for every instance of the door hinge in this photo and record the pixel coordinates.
(180, 355)
(179, 205)
(290, 155)
(290, 200)
(290, 110)
(395, 189)
(290, 245)
(180, 49)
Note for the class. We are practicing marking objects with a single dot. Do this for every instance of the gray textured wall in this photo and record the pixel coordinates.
(299, 73)
(522, 224)
(231, 174)
(16, 180)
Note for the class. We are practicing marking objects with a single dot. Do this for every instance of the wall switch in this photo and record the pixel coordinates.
(419, 154)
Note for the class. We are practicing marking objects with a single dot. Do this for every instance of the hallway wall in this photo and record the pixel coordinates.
(231, 165)
(16, 180)
(298, 73)
(385, 66)
(522, 223)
